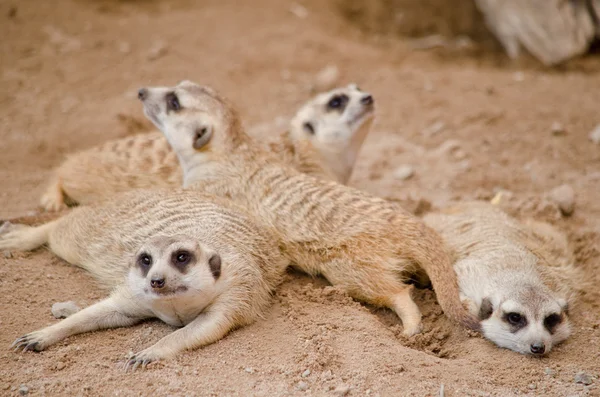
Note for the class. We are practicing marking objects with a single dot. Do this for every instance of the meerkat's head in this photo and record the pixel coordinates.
(530, 320)
(336, 123)
(169, 267)
(195, 119)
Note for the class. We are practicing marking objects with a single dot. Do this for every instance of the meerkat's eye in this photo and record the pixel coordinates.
(172, 102)
(335, 102)
(551, 321)
(145, 260)
(515, 318)
(308, 127)
(182, 258)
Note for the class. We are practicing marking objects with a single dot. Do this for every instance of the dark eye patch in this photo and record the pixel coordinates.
(308, 127)
(181, 259)
(215, 265)
(172, 102)
(338, 103)
(144, 262)
(515, 320)
(552, 321)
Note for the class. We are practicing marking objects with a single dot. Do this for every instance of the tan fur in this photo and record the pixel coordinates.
(104, 238)
(511, 266)
(146, 160)
(360, 242)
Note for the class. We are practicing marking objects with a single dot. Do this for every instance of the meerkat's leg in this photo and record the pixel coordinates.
(205, 329)
(119, 310)
(24, 238)
(54, 197)
(408, 311)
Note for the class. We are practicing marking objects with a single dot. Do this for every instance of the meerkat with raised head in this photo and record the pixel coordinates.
(355, 240)
(318, 142)
(518, 278)
(212, 270)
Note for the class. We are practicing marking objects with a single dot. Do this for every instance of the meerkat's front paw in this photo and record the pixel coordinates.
(53, 199)
(142, 359)
(34, 341)
(413, 329)
(14, 236)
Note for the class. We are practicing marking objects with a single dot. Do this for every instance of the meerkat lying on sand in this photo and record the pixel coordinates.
(355, 240)
(329, 149)
(203, 265)
(518, 278)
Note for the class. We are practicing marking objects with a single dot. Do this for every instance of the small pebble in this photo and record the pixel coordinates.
(60, 366)
(64, 309)
(434, 128)
(306, 373)
(249, 370)
(583, 378)
(404, 172)
(557, 129)
(549, 371)
(519, 77)
(326, 79)
(302, 386)
(158, 50)
(595, 135)
(299, 10)
(341, 390)
(532, 386)
(7, 254)
(564, 197)
(23, 390)
(125, 47)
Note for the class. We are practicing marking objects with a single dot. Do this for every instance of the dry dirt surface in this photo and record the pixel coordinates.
(454, 123)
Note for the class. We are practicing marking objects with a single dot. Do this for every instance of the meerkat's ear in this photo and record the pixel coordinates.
(202, 136)
(215, 265)
(486, 309)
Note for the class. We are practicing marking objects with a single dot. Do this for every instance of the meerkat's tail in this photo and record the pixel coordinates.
(433, 255)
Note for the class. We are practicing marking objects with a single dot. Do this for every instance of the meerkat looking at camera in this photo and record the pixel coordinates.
(357, 241)
(517, 277)
(318, 142)
(201, 263)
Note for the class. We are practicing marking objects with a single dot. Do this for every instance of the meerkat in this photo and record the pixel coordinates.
(518, 278)
(355, 240)
(201, 263)
(318, 142)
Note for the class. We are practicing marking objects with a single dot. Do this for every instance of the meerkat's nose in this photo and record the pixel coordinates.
(142, 94)
(157, 283)
(538, 348)
(367, 100)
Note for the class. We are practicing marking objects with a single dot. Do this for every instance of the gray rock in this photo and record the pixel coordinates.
(564, 197)
(342, 390)
(23, 390)
(583, 378)
(302, 386)
(7, 254)
(327, 78)
(306, 373)
(64, 309)
(549, 371)
(595, 135)
(404, 172)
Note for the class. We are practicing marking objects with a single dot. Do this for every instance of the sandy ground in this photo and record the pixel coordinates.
(467, 122)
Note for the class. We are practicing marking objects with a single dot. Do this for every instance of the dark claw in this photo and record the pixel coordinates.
(134, 363)
(26, 344)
